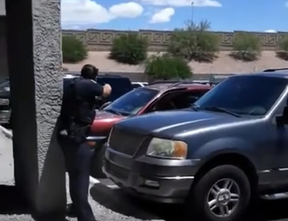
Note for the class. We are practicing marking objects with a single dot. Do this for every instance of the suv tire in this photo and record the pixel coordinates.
(211, 188)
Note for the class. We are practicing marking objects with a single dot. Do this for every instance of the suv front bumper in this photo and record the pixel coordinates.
(160, 180)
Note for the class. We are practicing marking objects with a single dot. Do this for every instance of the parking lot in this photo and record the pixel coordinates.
(110, 204)
(112, 199)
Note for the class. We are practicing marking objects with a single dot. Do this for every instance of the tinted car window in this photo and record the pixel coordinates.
(120, 86)
(133, 101)
(251, 95)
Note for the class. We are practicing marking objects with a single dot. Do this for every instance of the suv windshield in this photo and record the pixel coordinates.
(132, 102)
(247, 95)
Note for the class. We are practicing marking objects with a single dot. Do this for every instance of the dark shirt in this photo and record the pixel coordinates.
(78, 102)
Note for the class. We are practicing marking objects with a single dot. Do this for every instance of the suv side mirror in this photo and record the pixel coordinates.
(105, 105)
(283, 119)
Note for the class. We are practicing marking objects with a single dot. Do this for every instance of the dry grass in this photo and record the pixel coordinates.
(223, 64)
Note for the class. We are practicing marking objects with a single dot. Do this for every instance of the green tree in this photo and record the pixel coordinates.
(246, 46)
(194, 42)
(129, 49)
(283, 49)
(73, 50)
(167, 67)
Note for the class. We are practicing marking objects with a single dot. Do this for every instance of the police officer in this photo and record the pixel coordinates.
(76, 117)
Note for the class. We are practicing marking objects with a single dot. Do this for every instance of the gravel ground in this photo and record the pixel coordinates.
(109, 203)
(101, 212)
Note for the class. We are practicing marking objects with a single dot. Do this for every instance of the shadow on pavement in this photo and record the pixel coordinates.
(117, 201)
(7, 126)
(11, 201)
(270, 210)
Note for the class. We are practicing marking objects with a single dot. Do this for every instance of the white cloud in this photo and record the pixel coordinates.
(183, 3)
(163, 15)
(126, 10)
(88, 12)
(270, 31)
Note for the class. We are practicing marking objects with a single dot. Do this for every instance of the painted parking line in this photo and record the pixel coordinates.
(105, 182)
(93, 180)
(6, 132)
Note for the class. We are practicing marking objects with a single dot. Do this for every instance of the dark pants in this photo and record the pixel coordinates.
(77, 158)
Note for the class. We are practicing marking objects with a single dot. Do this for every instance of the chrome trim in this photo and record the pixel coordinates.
(95, 138)
(283, 169)
(264, 171)
(269, 171)
(177, 178)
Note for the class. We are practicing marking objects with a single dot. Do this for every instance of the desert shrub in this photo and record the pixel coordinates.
(129, 49)
(246, 47)
(283, 49)
(167, 67)
(194, 42)
(73, 50)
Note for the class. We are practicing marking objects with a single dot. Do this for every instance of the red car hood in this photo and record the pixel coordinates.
(103, 122)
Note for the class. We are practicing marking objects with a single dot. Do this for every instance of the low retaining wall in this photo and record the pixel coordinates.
(139, 76)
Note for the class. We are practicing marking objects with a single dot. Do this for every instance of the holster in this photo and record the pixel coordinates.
(77, 132)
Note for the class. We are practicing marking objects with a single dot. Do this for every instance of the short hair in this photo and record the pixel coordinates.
(89, 71)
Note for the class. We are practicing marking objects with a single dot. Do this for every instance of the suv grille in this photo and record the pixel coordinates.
(125, 142)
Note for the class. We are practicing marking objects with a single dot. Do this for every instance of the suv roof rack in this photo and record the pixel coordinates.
(178, 82)
(173, 82)
(164, 82)
(275, 69)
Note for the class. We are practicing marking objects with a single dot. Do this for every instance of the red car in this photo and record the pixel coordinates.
(143, 100)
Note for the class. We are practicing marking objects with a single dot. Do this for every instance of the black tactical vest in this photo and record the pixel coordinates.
(77, 113)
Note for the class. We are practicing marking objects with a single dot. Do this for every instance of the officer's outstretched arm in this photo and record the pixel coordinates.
(100, 91)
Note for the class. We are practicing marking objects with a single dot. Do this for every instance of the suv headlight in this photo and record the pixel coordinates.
(164, 148)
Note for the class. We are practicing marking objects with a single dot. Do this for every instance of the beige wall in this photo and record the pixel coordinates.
(101, 40)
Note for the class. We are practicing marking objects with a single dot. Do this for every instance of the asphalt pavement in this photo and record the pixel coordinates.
(109, 203)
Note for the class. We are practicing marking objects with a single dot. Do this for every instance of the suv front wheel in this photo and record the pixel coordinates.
(223, 193)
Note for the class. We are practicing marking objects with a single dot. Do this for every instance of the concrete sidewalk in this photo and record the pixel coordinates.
(6, 158)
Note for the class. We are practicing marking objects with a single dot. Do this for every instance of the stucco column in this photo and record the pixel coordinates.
(34, 61)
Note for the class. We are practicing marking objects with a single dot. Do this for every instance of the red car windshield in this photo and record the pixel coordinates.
(132, 102)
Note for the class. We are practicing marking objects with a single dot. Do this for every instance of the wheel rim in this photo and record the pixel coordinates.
(223, 198)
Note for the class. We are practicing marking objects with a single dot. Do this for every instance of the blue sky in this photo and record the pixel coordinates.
(224, 15)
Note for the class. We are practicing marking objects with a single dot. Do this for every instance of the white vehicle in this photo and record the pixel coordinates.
(139, 84)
